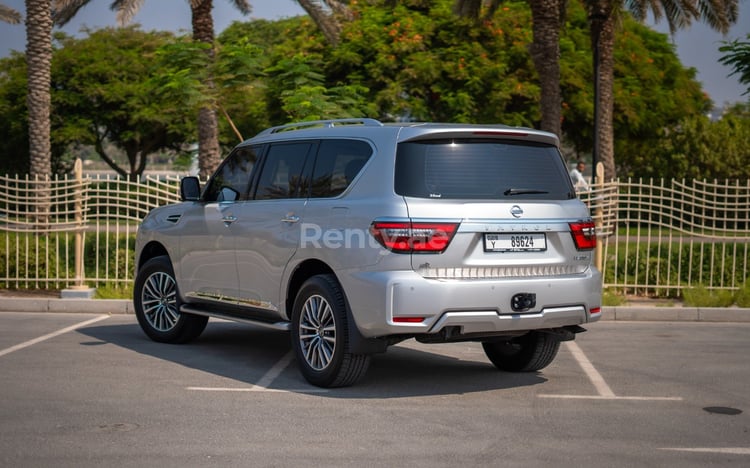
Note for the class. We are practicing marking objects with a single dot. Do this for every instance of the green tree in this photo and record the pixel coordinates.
(421, 62)
(737, 56)
(604, 16)
(105, 91)
(547, 17)
(203, 31)
(653, 93)
(14, 123)
(293, 82)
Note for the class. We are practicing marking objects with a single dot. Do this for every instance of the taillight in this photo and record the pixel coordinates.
(584, 235)
(417, 237)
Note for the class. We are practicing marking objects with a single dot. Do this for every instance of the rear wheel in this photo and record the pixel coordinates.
(320, 335)
(157, 305)
(530, 352)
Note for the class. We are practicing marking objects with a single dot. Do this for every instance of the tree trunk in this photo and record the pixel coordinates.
(467, 8)
(327, 22)
(39, 63)
(602, 21)
(208, 126)
(545, 51)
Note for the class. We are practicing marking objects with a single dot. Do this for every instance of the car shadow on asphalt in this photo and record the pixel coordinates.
(241, 355)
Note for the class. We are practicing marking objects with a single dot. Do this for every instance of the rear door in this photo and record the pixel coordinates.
(510, 200)
(267, 230)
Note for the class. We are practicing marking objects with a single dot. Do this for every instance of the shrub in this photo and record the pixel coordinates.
(700, 296)
(742, 298)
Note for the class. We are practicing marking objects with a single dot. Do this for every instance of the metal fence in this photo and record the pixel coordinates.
(657, 237)
(74, 231)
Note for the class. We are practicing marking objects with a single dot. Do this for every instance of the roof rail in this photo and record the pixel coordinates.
(321, 123)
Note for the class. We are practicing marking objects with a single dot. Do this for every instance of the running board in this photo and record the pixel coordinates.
(282, 326)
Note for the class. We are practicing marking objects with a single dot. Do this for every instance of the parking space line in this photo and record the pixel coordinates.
(603, 389)
(265, 381)
(274, 371)
(594, 376)
(26, 344)
(722, 450)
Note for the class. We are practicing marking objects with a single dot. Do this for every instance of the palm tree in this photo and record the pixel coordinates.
(203, 30)
(38, 101)
(546, 22)
(547, 18)
(327, 15)
(603, 16)
(737, 56)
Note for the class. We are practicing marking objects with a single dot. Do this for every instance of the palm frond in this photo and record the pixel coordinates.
(64, 10)
(9, 15)
(243, 5)
(126, 10)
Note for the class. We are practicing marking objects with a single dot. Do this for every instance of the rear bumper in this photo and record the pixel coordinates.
(380, 299)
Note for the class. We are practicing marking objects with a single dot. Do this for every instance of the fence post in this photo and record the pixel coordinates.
(599, 215)
(79, 288)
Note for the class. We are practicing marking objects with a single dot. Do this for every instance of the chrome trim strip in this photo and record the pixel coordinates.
(281, 326)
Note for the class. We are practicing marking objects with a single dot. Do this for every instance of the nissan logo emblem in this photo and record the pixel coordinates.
(516, 211)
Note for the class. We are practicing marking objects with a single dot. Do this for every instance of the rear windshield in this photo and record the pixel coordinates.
(481, 169)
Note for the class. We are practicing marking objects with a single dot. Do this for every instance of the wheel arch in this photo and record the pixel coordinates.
(151, 250)
(302, 272)
(308, 269)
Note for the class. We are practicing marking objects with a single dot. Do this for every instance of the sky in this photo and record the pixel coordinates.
(697, 46)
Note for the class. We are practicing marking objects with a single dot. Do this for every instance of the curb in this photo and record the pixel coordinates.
(618, 314)
(675, 314)
(68, 306)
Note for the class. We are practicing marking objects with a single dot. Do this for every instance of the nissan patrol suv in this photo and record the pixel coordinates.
(354, 235)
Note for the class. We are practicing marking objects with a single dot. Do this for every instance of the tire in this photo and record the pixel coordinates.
(157, 305)
(320, 335)
(528, 353)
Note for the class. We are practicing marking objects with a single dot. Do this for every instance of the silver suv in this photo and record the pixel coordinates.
(355, 235)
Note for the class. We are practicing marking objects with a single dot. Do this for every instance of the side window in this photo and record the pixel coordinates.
(337, 164)
(231, 181)
(282, 173)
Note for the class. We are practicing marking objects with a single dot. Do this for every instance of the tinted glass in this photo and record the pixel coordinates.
(281, 176)
(231, 181)
(337, 164)
(481, 169)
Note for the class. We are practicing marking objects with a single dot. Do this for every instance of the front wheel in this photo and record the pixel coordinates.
(320, 335)
(157, 305)
(528, 353)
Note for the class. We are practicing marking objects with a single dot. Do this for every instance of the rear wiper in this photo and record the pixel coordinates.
(521, 191)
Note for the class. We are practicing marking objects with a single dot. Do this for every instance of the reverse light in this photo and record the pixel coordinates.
(413, 237)
(584, 235)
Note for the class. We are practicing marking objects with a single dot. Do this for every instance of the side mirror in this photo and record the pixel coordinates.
(190, 189)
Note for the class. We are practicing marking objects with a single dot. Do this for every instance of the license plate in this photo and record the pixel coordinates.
(515, 242)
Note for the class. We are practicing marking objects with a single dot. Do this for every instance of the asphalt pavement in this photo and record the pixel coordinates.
(90, 390)
(643, 311)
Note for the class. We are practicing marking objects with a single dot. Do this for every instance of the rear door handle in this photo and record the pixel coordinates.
(227, 220)
(290, 218)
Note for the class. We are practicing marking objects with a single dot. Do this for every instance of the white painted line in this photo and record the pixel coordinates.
(26, 344)
(256, 388)
(594, 376)
(723, 450)
(605, 392)
(274, 372)
(599, 397)
(265, 381)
